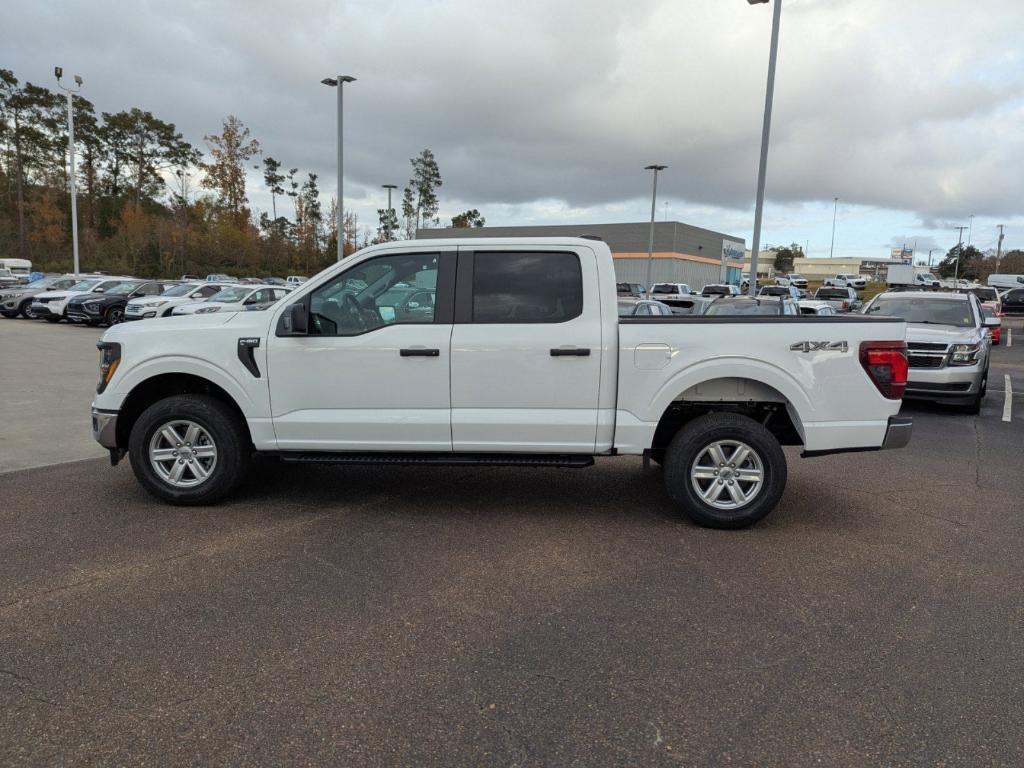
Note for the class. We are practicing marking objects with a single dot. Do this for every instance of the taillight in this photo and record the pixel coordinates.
(846, 306)
(886, 365)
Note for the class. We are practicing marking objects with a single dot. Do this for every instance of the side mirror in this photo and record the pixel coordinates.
(295, 320)
(992, 322)
(100, 290)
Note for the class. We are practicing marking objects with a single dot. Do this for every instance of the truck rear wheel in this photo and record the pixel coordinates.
(725, 470)
(189, 449)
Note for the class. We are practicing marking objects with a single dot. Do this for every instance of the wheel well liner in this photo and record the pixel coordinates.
(165, 385)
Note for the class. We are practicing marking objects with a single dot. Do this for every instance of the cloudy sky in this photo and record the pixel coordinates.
(546, 111)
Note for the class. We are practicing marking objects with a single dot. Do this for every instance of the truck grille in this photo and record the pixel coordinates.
(925, 345)
(925, 361)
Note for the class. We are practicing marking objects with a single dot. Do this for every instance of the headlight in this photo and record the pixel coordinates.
(965, 354)
(207, 310)
(110, 357)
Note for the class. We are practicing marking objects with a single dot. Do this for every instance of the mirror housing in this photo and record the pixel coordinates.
(100, 290)
(294, 321)
(992, 322)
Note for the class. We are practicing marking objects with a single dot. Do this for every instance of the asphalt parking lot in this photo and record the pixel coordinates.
(456, 616)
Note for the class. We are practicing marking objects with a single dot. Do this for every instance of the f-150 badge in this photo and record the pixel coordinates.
(820, 346)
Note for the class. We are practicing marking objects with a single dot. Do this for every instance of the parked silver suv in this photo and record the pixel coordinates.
(947, 345)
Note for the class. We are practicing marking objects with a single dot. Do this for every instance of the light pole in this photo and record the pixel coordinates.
(959, 251)
(389, 187)
(650, 241)
(835, 210)
(765, 130)
(339, 82)
(970, 229)
(58, 71)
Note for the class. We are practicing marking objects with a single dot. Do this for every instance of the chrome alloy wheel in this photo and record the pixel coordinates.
(182, 453)
(727, 474)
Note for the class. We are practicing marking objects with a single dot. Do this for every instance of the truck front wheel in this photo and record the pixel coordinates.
(725, 470)
(189, 449)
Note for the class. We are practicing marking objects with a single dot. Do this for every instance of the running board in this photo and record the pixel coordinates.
(566, 460)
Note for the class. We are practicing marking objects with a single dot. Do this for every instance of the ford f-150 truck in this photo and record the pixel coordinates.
(512, 353)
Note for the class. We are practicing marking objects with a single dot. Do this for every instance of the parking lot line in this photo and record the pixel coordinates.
(1008, 399)
(1009, 337)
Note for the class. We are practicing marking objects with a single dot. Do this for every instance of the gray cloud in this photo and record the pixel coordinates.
(913, 106)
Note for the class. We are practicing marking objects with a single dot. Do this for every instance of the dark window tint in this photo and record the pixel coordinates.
(208, 290)
(526, 287)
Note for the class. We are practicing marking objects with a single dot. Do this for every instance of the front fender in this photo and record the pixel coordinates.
(138, 373)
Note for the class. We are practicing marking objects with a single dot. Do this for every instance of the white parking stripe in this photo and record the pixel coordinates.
(1009, 337)
(1008, 400)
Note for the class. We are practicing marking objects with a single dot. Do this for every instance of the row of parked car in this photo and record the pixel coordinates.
(721, 299)
(108, 300)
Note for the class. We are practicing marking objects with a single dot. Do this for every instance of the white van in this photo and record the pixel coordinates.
(1006, 281)
(20, 269)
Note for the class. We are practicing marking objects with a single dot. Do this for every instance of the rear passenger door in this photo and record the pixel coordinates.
(526, 351)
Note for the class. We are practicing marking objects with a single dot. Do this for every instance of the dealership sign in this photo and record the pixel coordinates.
(733, 251)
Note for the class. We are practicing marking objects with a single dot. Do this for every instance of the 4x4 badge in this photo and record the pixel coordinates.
(819, 346)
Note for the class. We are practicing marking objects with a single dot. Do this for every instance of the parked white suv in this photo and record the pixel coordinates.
(148, 307)
(524, 363)
(52, 305)
(235, 298)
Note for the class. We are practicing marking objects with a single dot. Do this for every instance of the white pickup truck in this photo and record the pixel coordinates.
(495, 351)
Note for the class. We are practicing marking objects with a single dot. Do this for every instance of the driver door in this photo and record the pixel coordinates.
(370, 375)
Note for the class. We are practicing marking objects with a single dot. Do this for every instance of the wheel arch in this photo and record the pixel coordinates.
(162, 385)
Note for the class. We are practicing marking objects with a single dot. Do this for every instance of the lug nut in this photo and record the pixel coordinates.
(181, 461)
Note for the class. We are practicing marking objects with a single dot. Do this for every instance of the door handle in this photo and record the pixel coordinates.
(570, 352)
(419, 352)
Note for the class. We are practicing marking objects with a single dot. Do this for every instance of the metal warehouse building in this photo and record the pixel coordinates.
(682, 253)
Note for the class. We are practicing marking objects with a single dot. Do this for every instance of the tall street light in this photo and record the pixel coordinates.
(59, 72)
(765, 130)
(835, 210)
(339, 82)
(654, 202)
(389, 187)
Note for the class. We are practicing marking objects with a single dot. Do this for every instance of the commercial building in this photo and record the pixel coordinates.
(817, 270)
(682, 253)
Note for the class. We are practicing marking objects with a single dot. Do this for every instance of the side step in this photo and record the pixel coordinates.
(566, 460)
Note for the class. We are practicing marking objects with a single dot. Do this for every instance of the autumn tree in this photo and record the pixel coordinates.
(387, 225)
(421, 192)
(273, 178)
(408, 214)
(225, 173)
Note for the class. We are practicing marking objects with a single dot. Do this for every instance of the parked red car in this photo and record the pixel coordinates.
(995, 332)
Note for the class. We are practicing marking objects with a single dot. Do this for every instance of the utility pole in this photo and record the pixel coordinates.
(999, 247)
(339, 82)
(959, 251)
(835, 210)
(766, 128)
(970, 229)
(58, 71)
(654, 201)
(389, 187)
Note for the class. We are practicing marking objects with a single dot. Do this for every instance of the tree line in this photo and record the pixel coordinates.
(151, 203)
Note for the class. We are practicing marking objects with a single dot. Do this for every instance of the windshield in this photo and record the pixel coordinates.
(85, 285)
(231, 294)
(123, 289)
(832, 293)
(180, 290)
(742, 308)
(43, 282)
(773, 290)
(985, 294)
(917, 309)
(664, 288)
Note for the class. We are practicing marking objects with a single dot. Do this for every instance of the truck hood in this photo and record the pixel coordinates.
(941, 334)
(60, 294)
(248, 323)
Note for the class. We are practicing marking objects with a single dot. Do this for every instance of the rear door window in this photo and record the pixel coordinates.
(526, 287)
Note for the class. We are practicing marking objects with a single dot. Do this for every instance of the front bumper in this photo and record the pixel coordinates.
(43, 310)
(104, 428)
(952, 383)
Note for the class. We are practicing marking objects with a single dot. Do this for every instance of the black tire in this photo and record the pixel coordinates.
(973, 406)
(52, 319)
(114, 315)
(26, 310)
(9, 315)
(689, 446)
(229, 436)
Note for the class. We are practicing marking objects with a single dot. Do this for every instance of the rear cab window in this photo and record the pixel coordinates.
(523, 287)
